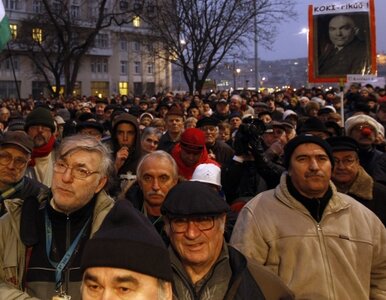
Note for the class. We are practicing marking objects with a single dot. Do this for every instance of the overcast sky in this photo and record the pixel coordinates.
(290, 43)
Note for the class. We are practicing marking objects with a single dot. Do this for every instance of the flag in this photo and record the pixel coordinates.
(5, 32)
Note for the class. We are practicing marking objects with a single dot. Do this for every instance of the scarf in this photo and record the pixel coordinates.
(42, 151)
(186, 171)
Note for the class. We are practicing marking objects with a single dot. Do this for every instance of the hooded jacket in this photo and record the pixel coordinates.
(341, 257)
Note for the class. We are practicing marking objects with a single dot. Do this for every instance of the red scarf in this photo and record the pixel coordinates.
(186, 171)
(42, 150)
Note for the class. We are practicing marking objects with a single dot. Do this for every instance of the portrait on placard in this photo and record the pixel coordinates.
(341, 43)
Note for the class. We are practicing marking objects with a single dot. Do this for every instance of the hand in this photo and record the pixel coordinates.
(121, 156)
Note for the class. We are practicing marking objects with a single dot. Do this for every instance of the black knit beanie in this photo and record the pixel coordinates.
(40, 116)
(303, 139)
(127, 240)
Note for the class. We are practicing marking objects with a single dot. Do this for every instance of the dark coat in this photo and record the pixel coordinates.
(354, 58)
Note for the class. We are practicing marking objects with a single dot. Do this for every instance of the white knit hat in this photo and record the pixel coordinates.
(207, 173)
(360, 119)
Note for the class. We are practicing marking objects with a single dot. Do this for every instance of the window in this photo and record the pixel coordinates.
(136, 46)
(137, 67)
(7, 63)
(124, 69)
(75, 11)
(13, 28)
(8, 88)
(37, 35)
(102, 40)
(12, 4)
(150, 68)
(137, 21)
(99, 65)
(123, 43)
(37, 6)
(123, 88)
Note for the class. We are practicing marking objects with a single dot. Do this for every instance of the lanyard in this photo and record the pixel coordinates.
(70, 251)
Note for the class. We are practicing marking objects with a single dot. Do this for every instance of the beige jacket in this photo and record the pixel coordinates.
(342, 257)
(12, 250)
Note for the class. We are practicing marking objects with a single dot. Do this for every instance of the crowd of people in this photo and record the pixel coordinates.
(239, 195)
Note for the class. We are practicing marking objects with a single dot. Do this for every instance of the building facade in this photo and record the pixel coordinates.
(121, 60)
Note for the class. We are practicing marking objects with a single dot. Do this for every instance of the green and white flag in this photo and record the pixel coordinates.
(5, 32)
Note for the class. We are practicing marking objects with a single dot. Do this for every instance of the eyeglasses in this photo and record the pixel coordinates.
(180, 225)
(347, 162)
(6, 158)
(209, 128)
(76, 172)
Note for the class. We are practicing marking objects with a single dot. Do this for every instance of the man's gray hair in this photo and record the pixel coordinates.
(87, 143)
(159, 154)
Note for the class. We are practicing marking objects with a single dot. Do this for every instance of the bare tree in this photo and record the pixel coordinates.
(57, 38)
(196, 35)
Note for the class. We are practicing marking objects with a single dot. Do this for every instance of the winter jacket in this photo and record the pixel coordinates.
(30, 189)
(368, 192)
(231, 274)
(13, 250)
(341, 257)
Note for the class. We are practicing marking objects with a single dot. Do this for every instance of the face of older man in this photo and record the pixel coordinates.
(197, 249)
(341, 30)
(310, 170)
(364, 134)
(346, 167)
(40, 134)
(156, 179)
(70, 191)
(103, 283)
(13, 163)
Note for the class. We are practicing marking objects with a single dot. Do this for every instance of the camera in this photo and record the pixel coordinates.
(248, 135)
(252, 127)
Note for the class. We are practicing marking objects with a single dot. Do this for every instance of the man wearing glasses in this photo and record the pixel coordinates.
(203, 265)
(351, 178)
(40, 251)
(15, 152)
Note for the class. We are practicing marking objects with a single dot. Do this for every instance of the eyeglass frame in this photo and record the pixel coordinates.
(66, 166)
(13, 159)
(194, 221)
(347, 162)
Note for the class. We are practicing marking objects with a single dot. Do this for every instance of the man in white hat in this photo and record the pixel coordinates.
(364, 130)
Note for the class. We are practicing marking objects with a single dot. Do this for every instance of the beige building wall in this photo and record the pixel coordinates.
(160, 78)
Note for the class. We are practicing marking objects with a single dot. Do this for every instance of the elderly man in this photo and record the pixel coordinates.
(15, 152)
(218, 150)
(41, 246)
(350, 177)
(126, 259)
(364, 130)
(346, 54)
(157, 173)
(204, 266)
(40, 126)
(322, 243)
